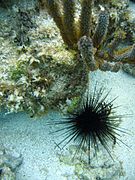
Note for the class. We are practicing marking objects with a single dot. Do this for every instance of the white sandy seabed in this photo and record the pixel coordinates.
(31, 137)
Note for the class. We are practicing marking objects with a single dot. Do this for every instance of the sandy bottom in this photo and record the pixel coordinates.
(132, 8)
(32, 138)
(123, 86)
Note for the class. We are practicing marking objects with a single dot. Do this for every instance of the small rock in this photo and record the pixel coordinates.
(7, 174)
(129, 68)
(13, 162)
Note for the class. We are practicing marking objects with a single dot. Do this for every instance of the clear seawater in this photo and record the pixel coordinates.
(32, 138)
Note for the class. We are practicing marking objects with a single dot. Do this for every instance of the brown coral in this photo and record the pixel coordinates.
(74, 32)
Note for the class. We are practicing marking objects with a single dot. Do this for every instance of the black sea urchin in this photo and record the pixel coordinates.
(94, 123)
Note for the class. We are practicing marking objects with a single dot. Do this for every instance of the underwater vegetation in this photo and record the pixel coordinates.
(91, 125)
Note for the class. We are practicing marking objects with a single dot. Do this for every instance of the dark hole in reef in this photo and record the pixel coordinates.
(1, 171)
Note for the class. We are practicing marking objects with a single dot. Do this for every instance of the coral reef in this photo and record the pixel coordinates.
(42, 79)
(48, 72)
(101, 35)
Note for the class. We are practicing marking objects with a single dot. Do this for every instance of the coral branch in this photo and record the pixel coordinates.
(68, 20)
(54, 11)
(120, 35)
(85, 18)
(128, 56)
(85, 46)
(107, 66)
(101, 29)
